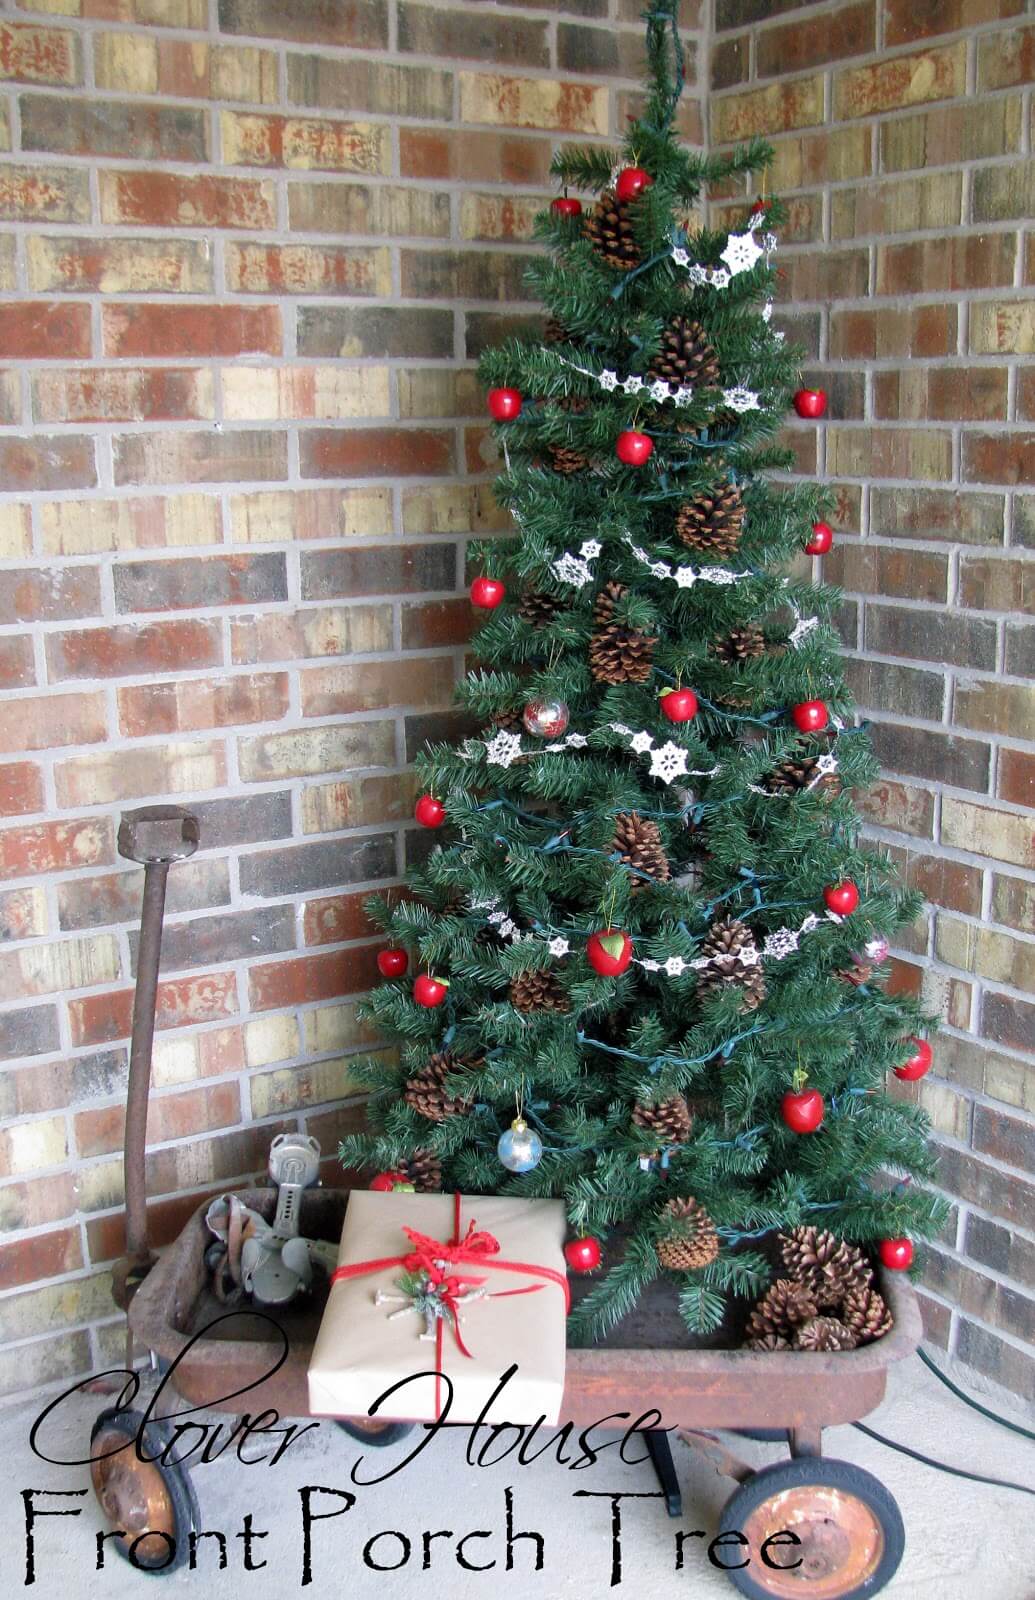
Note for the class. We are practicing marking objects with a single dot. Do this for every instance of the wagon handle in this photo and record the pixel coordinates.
(155, 836)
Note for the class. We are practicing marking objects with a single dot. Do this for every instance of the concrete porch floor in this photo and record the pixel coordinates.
(964, 1541)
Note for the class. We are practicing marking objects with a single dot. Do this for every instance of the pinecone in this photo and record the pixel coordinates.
(781, 1309)
(829, 1267)
(424, 1171)
(536, 990)
(740, 644)
(426, 1092)
(609, 229)
(800, 772)
(565, 458)
(714, 522)
(685, 357)
(538, 608)
(824, 1333)
(638, 841)
(722, 946)
(688, 1239)
(865, 1312)
(769, 1341)
(510, 721)
(855, 975)
(618, 654)
(667, 1121)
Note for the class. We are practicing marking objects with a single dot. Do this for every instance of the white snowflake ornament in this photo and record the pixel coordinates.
(608, 379)
(590, 549)
(504, 749)
(741, 399)
(668, 762)
(741, 252)
(641, 743)
(572, 569)
(633, 384)
(659, 389)
(680, 257)
(675, 966)
(558, 946)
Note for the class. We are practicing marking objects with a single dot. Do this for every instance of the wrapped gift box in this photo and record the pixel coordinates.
(494, 1269)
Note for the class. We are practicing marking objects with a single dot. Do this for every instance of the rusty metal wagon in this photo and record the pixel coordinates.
(849, 1526)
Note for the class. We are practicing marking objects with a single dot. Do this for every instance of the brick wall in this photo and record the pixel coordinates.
(243, 279)
(249, 251)
(902, 139)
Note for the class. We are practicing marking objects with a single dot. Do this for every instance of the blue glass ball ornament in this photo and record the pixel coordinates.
(520, 1148)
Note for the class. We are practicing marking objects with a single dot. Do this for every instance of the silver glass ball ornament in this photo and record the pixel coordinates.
(546, 719)
(520, 1147)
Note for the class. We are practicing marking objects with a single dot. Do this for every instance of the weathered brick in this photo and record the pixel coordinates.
(931, 636)
(426, 392)
(880, 332)
(47, 461)
(362, 24)
(56, 846)
(376, 570)
(190, 704)
(15, 531)
(889, 453)
(943, 394)
(381, 87)
(227, 936)
(23, 915)
(315, 143)
(936, 514)
(182, 1002)
(186, 583)
(108, 898)
(1019, 659)
(374, 452)
(44, 194)
(275, 984)
(992, 955)
(270, 1039)
(1005, 58)
(999, 458)
(920, 19)
(438, 622)
(274, 516)
(126, 650)
(731, 62)
(1002, 835)
(825, 274)
(882, 686)
(34, 1202)
(293, 1087)
(991, 585)
(388, 210)
(39, 969)
(1000, 1248)
(1003, 327)
(315, 631)
(32, 1031)
(233, 457)
(464, 275)
(374, 331)
(499, 100)
(119, 394)
(484, 329)
(469, 33)
(157, 199)
(480, 157)
(1015, 779)
(308, 269)
(56, 123)
(341, 690)
(244, 819)
(890, 84)
(355, 803)
(21, 788)
(884, 570)
(1009, 1021)
(118, 266)
(499, 216)
(774, 109)
(29, 54)
(191, 330)
(17, 662)
(965, 132)
(283, 393)
(610, 52)
(168, 769)
(898, 205)
(1004, 192)
(336, 1027)
(294, 868)
(992, 707)
(829, 36)
(28, 1147)
(43, 330)
(316, 750)
(923, 753)
(40, 723)
(965, 261)
(100, 1130)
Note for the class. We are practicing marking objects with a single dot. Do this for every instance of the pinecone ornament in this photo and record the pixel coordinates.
(864, 1311)
(565, 458)
(740, 644)
(798, 772)
(830, 1267)
(424, 1171)
(784, 1306)
(824, 1333)
(617, 653)
(725, 970)
(770, 1341)
(686, 357)
(688, 1239)
(555, 332)
(609, 229)
(536, 990)
(426, 1090)
(668, 1122)
(509, 720)
(713, 522)
(538, 608)
(638, 841)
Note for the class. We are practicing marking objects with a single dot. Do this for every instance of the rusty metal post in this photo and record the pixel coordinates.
(156, 836)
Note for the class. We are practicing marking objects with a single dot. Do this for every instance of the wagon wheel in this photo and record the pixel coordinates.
(151, 1503)
(377, 1434)
(849, 1525)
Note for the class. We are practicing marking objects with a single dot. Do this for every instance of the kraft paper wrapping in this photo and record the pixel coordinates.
(361, 1351)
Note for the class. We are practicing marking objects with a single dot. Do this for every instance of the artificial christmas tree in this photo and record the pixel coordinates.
(631, 914)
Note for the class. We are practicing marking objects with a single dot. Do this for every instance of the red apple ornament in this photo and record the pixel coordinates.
(918, 1063)
(632, 181)
(633, 448)
(566, 206)
(429, 991)
(487, 593)
(802, 1110)
(429, 812)
(609, 952)
(811, 716)
(504, 404)
(582, 1255)
(810, 403)
(822, 539)
(678, 705)
(385, 1182)
(392, 963)
(841, 898)
(896, 1253)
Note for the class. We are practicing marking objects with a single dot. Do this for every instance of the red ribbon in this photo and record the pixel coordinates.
(475, 1247)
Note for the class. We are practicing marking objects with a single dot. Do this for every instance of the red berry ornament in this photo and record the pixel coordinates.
(633, 448)
(487, 593)
(566, 206)
(678, 705)
(392, 963)
(631, 182)
(385, 1182)
(811, 716)
(802, 1110)
(504, 404)
(810, 403)
(896, 1253)
(918, 1063)
(822, 539)
(582, 1255)
(609, 952)
(429, 812)
(429, 991)
(841, 898)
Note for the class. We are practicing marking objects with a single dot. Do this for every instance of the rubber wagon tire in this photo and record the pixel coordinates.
(850, 1527)
(377, 1435)
(139, 1496)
